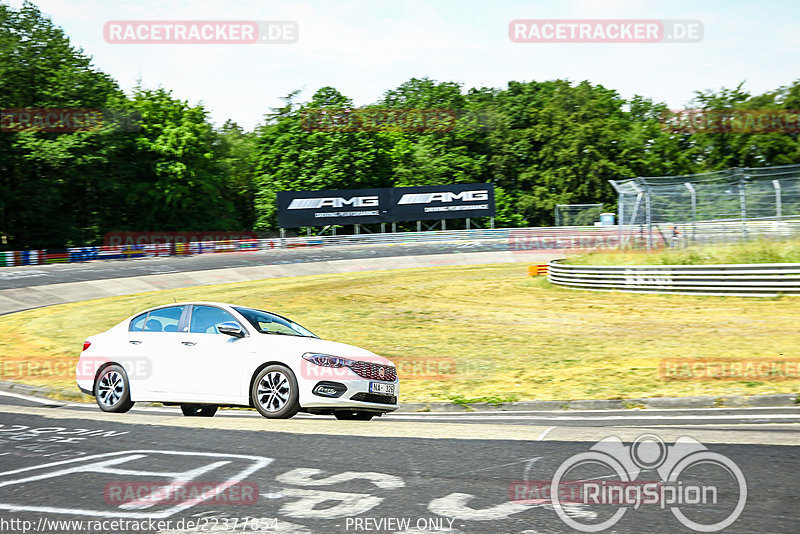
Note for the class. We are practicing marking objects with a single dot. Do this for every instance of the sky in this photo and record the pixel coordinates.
(366, 47)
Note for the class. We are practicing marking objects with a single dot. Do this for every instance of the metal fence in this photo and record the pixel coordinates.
(724, 206)
(577, 214)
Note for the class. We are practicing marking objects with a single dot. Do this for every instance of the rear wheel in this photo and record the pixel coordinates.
(199, 410)
(354, 415)
(112, 390)
(274, 392)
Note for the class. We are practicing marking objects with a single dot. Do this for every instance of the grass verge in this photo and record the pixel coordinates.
(762, 251)
(482, 333)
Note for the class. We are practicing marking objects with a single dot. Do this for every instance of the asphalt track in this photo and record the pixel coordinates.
(37, 275)
(438, 472)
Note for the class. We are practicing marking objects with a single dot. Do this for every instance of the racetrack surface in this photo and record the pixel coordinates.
(37, 275)
(320, 475)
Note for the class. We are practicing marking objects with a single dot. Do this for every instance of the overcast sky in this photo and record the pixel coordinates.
(365, 47)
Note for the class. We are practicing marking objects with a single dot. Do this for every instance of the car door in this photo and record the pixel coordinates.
(152, 344)
(212, 363)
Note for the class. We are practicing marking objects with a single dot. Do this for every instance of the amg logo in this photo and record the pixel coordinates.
(332, 202)
(446, 196)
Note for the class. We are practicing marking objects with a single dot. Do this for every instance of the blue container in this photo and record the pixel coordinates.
(607, 219)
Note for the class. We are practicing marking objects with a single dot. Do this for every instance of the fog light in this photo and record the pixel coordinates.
(329, 389)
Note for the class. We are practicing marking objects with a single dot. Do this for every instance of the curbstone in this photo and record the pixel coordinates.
(678, 402)
(781, 399)
(596, 405)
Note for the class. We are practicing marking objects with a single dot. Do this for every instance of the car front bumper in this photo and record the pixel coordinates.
(356, 395)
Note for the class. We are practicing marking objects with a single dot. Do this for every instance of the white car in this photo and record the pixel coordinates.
(203, 355)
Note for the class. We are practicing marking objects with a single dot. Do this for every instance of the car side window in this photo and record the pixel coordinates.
(163, 320)
(206, 318)
(137, 323)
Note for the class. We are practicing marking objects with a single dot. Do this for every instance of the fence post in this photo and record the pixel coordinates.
(743, 203)
(778, 207)
(693, 192)
(649, 216)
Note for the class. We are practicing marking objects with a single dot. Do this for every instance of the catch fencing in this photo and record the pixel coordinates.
(725, 206)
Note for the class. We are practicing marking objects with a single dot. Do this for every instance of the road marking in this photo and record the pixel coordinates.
(623, 410)
(105, 464)
(302, 477)
(543, 434)
(350, 504)
(634, 417)
(50, 402)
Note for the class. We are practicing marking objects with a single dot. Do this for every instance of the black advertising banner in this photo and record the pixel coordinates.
(339, 206)
(457, 201)
(364, 206)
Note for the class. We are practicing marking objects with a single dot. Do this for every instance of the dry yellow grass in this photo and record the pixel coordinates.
(466, 333)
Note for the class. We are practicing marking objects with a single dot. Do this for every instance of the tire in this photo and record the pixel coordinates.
(353, 416)
(199, 410)
(274, 392)
(112, 390)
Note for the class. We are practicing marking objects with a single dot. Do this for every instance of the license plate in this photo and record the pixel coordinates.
(378, 387)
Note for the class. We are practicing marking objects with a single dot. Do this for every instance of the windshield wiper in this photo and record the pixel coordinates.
(280, 333)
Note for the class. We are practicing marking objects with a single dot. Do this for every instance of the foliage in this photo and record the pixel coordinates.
(541, 143)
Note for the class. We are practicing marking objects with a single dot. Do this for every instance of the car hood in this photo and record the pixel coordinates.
(301, 345)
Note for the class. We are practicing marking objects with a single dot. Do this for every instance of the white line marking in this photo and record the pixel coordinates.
(258, 463)
(31, 399)
(638, 417)
(543, 434)
(626, 411)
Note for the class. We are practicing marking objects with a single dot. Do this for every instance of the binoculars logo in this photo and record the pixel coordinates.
(679, 467)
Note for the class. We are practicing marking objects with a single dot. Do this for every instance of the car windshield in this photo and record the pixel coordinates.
(269, 323)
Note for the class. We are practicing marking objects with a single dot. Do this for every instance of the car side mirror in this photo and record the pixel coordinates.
(231, 329)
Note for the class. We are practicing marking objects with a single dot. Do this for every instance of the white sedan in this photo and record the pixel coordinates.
(203, 355)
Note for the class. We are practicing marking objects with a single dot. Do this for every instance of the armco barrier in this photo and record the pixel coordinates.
(501, 239)
(745, 280)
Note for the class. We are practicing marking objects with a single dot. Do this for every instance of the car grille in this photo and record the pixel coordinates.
(372, 371)
(374, 397)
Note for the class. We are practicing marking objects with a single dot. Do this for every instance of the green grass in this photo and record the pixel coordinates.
(485, 333)
(762, 251)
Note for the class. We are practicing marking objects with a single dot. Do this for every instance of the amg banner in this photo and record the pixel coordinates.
(364, 206)
(442, 202)
(338, 206)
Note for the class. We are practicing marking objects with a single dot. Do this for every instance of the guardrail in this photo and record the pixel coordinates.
(745, 280)
(513, 239)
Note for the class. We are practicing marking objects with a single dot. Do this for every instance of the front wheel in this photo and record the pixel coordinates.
(274, 392)
(198, 410)
(354, 416)
(112, 390)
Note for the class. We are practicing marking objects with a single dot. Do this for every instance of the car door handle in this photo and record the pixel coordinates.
(189, 343)
(132, 342)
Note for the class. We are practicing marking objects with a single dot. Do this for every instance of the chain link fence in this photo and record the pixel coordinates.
(577, 214)
(724, 206)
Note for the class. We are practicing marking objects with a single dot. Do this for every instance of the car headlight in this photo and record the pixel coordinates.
(326, 360)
